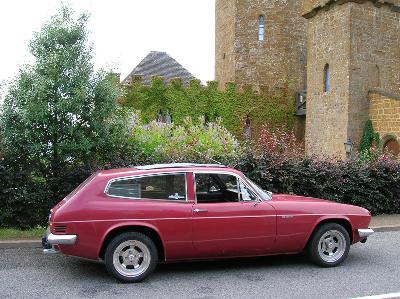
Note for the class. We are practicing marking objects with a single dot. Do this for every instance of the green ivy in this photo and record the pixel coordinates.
(196, 100)
(369, 139)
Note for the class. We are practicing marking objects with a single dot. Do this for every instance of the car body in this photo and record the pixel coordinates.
(177, 212)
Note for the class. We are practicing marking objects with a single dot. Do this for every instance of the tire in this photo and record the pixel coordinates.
(131, 257)
(329, 245)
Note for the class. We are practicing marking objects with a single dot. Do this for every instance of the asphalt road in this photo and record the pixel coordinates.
(372, 268)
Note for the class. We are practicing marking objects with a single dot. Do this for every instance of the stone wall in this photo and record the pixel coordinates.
(359, 39)
(384, 112)
(225, 14)
(375, 59)
(274, 62)
(361, 43)
(328, 42)
(312, 7)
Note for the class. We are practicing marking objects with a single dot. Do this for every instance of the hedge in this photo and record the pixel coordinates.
(374, 185)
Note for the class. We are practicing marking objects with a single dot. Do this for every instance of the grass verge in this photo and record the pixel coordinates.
(15, 233)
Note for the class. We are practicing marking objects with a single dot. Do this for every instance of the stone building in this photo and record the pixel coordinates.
(344, 55)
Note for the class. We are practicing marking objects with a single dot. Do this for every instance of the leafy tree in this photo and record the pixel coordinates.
(58, 112)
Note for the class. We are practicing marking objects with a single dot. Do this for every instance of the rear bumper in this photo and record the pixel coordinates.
(61, 239)
(50, 242)
(365, 232)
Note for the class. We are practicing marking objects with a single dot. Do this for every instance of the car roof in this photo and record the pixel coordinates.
(177, 165)
(163, 167)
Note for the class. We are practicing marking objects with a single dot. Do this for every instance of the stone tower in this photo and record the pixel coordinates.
(353, 47)
(273, 59)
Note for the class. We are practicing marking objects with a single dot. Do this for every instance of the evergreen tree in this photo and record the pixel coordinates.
(58, 113)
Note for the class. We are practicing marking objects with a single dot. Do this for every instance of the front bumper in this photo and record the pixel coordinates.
(50, 242)
(365, 232)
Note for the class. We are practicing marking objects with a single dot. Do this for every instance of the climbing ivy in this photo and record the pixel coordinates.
(196, 100)
(369, 138)
(370, 144)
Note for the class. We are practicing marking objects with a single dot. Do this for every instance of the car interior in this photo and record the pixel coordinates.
(216, 188)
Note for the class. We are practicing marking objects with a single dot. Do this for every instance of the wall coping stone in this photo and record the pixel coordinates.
(385, 93)
(328, 4)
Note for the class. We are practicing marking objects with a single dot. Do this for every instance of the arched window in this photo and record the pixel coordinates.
(327, 78)
(377, 76)
(261, 28)
(392, 146)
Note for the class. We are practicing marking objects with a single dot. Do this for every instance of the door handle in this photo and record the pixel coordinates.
(199, 211)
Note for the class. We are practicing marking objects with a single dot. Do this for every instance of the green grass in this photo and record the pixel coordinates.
(14, 233)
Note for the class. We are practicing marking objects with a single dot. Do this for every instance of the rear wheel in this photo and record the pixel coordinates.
(329, 245)
(131, 257)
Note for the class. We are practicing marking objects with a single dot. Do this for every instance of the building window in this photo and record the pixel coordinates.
(327, 78)
(261, 28)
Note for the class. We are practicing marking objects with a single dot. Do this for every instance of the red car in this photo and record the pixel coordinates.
(135, 218)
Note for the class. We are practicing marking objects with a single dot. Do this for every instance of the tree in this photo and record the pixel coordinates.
(59, 113)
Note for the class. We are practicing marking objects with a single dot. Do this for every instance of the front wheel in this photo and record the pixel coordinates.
(131, 257)
(329, 245)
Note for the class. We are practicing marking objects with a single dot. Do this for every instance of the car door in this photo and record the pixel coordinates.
(229, 219)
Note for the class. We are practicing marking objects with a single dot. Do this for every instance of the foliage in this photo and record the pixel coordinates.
(374, 185)
(59, 121)
(370, 141)
(208, 101)
(278, 142)
(191, 141)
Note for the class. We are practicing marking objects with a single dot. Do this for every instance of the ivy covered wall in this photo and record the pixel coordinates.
(195, 100)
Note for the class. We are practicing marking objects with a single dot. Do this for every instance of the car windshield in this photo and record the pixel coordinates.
(267, 195)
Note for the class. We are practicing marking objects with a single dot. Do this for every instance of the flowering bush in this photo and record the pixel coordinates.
(192, 141)
(279, 142)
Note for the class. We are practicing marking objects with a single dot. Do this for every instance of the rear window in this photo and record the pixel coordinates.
(161, 187)
(83, 184)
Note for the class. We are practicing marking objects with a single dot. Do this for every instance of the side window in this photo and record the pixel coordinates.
(167, 187)
(216, 188)
(245, 193)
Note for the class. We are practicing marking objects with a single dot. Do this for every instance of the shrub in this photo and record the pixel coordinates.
(191, 141)
(279, 142)
(374, 185)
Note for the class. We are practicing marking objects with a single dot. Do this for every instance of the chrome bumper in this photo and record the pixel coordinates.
(365, 232)
(61, 239)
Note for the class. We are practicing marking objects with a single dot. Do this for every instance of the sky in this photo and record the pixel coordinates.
(123, 32)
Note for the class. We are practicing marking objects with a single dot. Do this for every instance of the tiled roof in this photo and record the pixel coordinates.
(159, 64)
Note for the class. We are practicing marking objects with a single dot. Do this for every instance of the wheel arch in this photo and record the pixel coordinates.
(343, 221)
(151, 232)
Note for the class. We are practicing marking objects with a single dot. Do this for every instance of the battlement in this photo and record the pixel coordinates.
(312, 7)
(178, 83)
